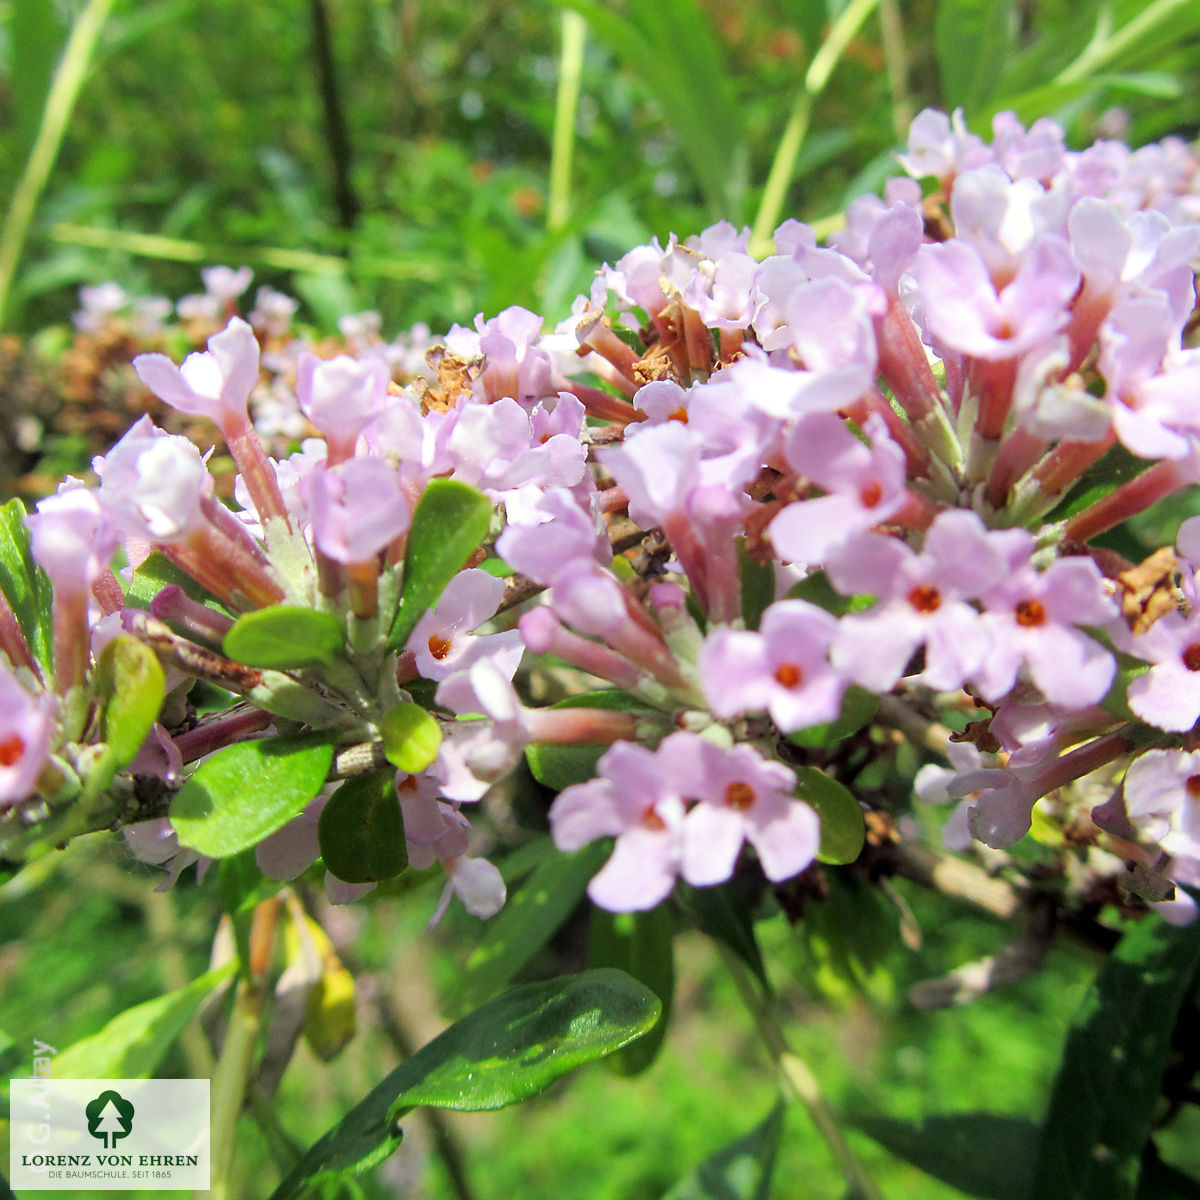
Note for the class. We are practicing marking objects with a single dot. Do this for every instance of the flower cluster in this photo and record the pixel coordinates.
(732, 495)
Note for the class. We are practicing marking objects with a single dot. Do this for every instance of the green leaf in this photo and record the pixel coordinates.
(133, 1043)
(156, 573)
(641, 944)
(361, 829)
(557, 765)
(130, 686)
(283, 637)
(1104, 1100)
(503, 1053)
(241, 885)
(531, 915)
(967, 33)
(724, 912)
(858, 708)
(758, 586)
(843, 829)
(26, 586)
(244, 792)
(983, 1154)
(411, 738)
(450, 521)
(740, 1171)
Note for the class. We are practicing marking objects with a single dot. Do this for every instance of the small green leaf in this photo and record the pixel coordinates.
(133, 1043)
(25, 585)
(450, 521)
(501, 1054)
(641, 944)
(740, 1171)
(558, 765)
(983, 1154)
(1105, 1095)
(130, 686)
(531, 915)
(411, 738)
(843, 829)
(284, 637)
(244, 792)
(361, 829)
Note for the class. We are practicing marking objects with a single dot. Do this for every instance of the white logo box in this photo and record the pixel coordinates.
(163, 1144)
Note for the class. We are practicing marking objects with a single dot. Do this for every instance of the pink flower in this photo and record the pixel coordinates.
(921, 601)
(358, 508)
(635, 800)
(1030, 618)
(784, 668)
(442, 642)
(741, 797)
(215, 384)
(341, 396)
(26, 725)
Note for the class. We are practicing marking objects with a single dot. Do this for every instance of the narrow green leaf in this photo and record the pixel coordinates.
(283, 637)
(843, 829)
(156, 573)
(641, 944)
(967, 33)
(983, 1154)
(361, 829)
(244, 792)
(25, 585)
(130, 686)
(501, 1054)
(133, 1043)
(450, 521)
(531, 915)
(241, 885)
(411, 737)
(1104, 1099)
(724, 913)
(740, 1171)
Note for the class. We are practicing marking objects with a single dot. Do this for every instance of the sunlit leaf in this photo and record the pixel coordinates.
(133, 1043)
(130, 686)
(284, 636)
(411, 737)
(244, 792)
(450, 521)
(503, 1053)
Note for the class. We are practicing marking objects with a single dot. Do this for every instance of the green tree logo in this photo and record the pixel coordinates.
(109, 1117)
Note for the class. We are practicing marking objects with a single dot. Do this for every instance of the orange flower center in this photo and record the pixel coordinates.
(924, 598)
(739, 796)
(11, 749)
(651, 819)
(439, 647)
(1193, 787)
(1030, 613)
(1191, 657)
(788, 675)
(871, 494)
